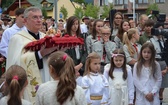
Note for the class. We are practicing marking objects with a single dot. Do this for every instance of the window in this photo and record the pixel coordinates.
(142, 1)
(45, 5)
(159, 1)
(106, 2)
(103, 2)
(120, 2)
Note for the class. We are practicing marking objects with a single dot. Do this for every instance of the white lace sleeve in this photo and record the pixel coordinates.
(106, 71)
(130, 85)
(106, 95)
(80, 96)
(85, 86)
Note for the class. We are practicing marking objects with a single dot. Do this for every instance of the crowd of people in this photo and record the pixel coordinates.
(120, 64)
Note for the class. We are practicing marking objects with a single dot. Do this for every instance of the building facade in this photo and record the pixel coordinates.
(126, 6)
(47, 4)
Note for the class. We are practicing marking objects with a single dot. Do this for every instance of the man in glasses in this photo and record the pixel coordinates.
(34, 62)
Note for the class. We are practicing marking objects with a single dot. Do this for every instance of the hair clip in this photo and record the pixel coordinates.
(114, 55)
(15, 77)
(64, 57)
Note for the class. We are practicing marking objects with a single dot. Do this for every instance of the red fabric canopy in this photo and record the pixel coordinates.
(49, 41)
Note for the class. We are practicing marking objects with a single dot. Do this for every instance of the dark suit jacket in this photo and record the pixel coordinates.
(82, 51)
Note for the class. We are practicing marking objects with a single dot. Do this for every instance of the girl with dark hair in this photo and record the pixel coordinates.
(118, 17)
(147, 76)
(124, 26)
(78, 54)
(63, 90)
(44, 28)
(73, 26)
(120, 79)
(94, 83)
(95, 35)
(16, 81)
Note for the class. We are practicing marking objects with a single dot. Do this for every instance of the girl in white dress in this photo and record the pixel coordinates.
(16, 81)
(94, 83)
(147, 76)
(63, 90)
(120, 79)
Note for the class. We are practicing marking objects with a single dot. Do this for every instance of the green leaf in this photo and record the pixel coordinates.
(92, 11)
(79, 12)
(64, 11)
(152, 7)
(106, 10)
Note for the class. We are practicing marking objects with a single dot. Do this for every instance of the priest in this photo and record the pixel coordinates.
(34, 62)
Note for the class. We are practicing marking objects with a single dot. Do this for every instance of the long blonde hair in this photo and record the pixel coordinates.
(126, 40)
(89, 59)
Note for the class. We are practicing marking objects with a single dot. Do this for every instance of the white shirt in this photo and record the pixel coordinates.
(46, 95)
(6, 36)
(96, 84)
(84, 28)
(115, 31)
(5, 27)
(129, 80)
(77, 52)
(146, 83)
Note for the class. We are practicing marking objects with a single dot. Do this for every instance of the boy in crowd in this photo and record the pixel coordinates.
(147, 31)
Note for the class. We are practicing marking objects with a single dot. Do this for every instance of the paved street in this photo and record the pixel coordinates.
(165, 100)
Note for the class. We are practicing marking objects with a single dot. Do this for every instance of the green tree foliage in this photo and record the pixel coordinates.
(44, 12)
(152, 7)
(64, 11)
(79, 12)
(106, 10)
(6, 3)
(92, 11)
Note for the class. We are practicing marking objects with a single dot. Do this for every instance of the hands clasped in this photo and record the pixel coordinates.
(149, 97)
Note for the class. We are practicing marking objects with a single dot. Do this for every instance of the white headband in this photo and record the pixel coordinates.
(114, 55)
